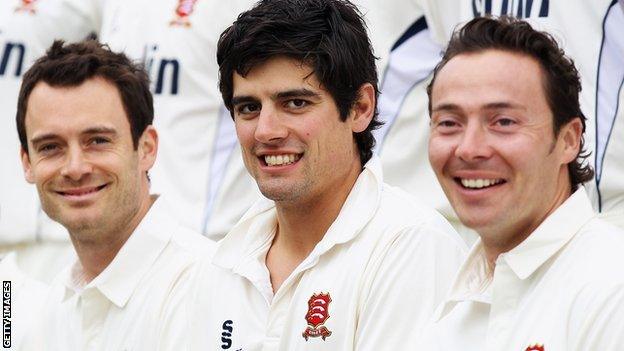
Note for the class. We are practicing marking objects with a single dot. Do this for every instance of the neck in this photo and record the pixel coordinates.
(304, 224)
(497, 241)
(97, 249)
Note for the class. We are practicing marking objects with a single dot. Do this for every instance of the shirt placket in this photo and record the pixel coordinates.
(278, 311)
(506, 289)
(93, 307)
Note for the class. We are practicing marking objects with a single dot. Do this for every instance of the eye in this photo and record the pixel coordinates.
(47, 148)
(447, 123)
(504, 122)
(245, 109)
(296, 103)
(99, 141)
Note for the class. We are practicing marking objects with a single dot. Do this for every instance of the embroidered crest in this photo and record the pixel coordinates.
(26, 6)
(183, 12)
(318, 313)
(535, 347)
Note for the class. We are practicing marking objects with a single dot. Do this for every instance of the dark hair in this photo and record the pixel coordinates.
(71, 65)
(327, 35)
(560, 79)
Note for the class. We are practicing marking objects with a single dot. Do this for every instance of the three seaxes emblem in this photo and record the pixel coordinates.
(318, 313)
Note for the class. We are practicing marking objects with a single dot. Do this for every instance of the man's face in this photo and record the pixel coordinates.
(81, 156)
(293, 141)
(492, 145)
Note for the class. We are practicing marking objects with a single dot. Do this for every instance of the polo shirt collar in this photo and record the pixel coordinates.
(551, 235)
(121, 277)
(256, 228)
(526, 258)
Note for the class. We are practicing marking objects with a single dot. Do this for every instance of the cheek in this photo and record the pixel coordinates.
(245, 134)
(44, 171)
(440, 151)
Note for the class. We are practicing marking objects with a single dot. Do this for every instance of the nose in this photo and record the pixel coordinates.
(76, 165)
(474, 144)
(270, 128)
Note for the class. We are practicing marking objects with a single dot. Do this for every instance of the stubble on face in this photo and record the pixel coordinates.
(115, 212)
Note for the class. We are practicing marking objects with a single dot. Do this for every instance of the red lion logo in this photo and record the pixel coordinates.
(535, 347)
(183, 11)
(318, 313)
(26, 6)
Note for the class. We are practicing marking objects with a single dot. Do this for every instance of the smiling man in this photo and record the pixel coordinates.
(507, 147)
(84, 121)
(334, 259)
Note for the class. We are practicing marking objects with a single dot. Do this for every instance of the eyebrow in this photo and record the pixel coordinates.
(293, 93)
(488, 106)
(303, 92)
(237, 100)
(89, 131)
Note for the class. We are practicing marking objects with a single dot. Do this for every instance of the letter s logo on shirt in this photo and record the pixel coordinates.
(226, 336)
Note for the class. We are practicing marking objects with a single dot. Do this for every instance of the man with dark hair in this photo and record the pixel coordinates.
(334, 259)
(84, 119)
(507, 147)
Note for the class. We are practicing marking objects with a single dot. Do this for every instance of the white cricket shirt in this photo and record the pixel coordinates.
(562, 289)
(24, 298)
(371, 283)
(135, 303)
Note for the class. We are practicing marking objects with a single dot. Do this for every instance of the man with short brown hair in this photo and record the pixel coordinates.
(84, 120)
(507, 147)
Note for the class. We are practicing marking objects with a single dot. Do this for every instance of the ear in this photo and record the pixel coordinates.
(571, 134)
(28, 174)
(363, 109)
(148, 148)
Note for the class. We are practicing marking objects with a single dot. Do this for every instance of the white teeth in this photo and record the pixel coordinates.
(279, 160)
(479, 183)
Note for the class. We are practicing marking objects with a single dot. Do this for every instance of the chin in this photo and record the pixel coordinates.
(81, 222)
(277, 195)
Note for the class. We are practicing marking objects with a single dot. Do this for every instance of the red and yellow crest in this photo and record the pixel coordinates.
(535, 347)
(183, 11)
(26, 6)
(318, 313)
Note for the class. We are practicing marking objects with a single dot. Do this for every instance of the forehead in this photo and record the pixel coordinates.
(67, 110)
(490, 76)
(275, 75)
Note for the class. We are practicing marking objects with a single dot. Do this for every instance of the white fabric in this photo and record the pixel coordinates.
(26, 300)
(199, 164)
(135, 303)
(386, 262)
(563, 288)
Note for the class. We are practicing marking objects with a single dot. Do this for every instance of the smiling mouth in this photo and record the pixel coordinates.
(279, 160)
(81, 192)
(479, 183)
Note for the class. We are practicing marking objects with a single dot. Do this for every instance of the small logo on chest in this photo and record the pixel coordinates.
(318, 313)
(226, 335)
(26, 6)
(182, 13)
(535, 347)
